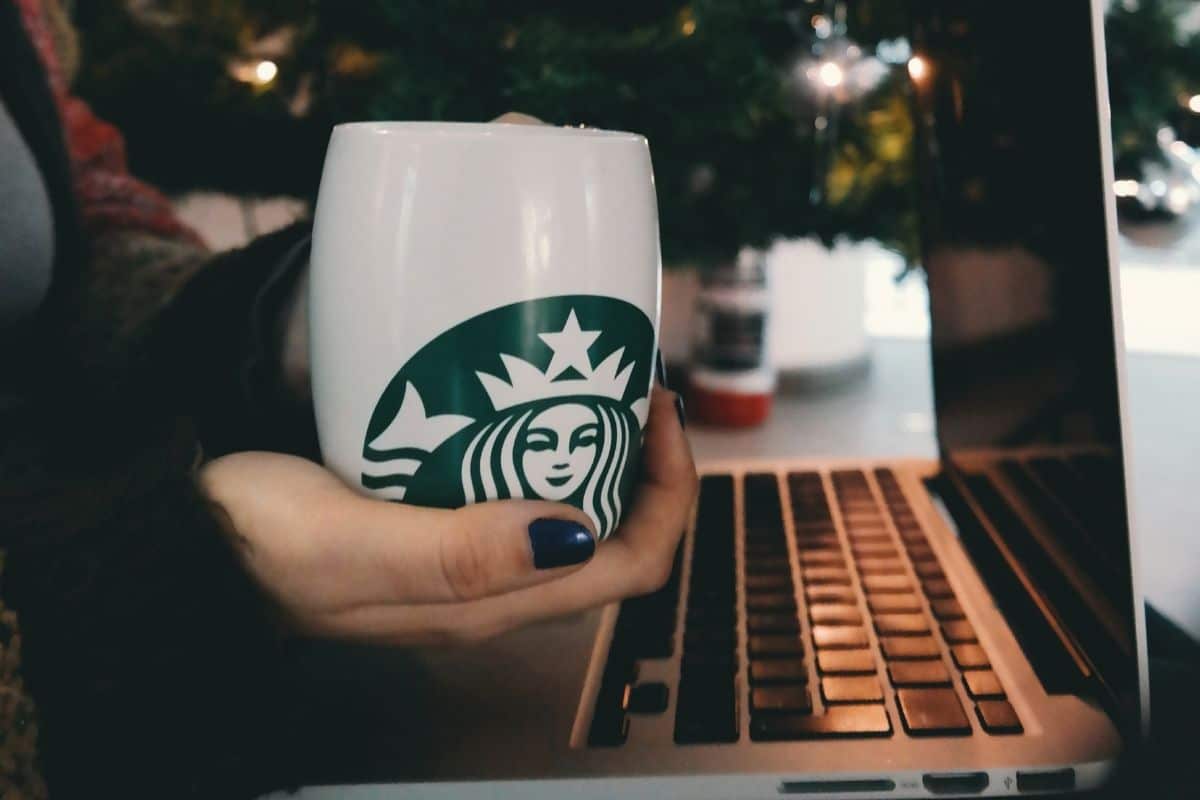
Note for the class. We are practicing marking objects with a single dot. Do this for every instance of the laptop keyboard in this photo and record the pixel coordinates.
(851, 628)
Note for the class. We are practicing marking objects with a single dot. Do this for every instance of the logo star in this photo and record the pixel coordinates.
(570, 346)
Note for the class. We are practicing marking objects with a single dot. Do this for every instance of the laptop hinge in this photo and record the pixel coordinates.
(1058, 661)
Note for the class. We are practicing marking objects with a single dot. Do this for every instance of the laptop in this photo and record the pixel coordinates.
(963, 626)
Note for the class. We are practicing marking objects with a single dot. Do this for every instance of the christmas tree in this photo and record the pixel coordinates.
(240, 96)
(1153, 72)
(765, 118)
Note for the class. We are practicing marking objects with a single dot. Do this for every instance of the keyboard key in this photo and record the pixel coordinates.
(982, 684)
(998, 717)
(814, 524)
(708, 639)
(880, 566)
(929, 570)
(773, 536)
(830, 594)
(886, 584)
(756, 552)
(932, 712)
(867, 530)
(822, 576)
(777, 670)
(836, 722)
(706, 709)
(793, 699)
(874, 550)
(901, 624)
(834, 614)
(920, 553)
(958, 632)
(696, 663)
(772, 623)
(775, 565)
(839, 637)
(771, 601)
(969, 656)
(846, 662)
(886, 603)
(823, 558)
(872, 535)
(648, 698)
(908, 647)
(768, 583)
(609, 729)
(816, 576)
(776, 646)
(723, 616)
(862, 689)
(709, 591)
(813, 542)
(937, 588)
(947, 608)
(918, 673)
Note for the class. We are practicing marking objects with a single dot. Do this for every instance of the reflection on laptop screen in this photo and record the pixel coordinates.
(1023, 333)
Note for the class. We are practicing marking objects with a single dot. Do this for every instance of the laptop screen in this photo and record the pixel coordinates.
(1025, 362)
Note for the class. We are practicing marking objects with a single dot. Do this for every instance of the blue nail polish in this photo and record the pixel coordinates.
(559, 543)
(660, 369)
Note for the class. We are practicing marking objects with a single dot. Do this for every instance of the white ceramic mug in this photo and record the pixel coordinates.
(484, 304)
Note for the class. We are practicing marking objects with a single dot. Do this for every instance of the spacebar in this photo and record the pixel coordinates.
(837, 721)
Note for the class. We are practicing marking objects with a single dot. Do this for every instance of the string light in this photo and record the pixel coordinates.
(831, 75)
(1126, 188)
(1194, 103)
(918, 68)
(687, 21)
(256, 72)
(1179, 199)
(265, 72)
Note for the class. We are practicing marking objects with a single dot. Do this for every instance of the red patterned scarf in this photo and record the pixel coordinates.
(109, 197)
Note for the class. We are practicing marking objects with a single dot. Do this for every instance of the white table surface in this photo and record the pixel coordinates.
(890, 413)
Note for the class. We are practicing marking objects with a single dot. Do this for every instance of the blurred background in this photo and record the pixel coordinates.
(790, 129)
(768, 120)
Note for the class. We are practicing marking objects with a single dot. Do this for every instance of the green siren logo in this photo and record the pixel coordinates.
(544, 399)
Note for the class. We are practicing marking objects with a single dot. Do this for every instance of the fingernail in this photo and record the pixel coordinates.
(679, 411)
(661, 369)
(559, 543)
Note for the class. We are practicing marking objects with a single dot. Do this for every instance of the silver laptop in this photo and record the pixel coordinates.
(965, 626)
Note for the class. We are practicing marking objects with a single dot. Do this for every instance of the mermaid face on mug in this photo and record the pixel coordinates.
(560, 447)
(566, 428)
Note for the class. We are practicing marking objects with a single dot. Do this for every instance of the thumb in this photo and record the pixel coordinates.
(432, 555)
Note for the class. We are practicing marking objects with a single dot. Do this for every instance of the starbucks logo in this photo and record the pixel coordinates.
(544, 399)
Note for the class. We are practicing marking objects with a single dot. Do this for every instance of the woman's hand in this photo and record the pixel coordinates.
(342, 564)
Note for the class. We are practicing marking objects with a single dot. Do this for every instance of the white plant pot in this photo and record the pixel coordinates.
(817, 324)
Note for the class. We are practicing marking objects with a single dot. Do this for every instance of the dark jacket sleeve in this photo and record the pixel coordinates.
(152, 657)
(219, 346)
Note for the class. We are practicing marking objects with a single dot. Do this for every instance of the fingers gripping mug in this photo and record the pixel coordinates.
(484, 305)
